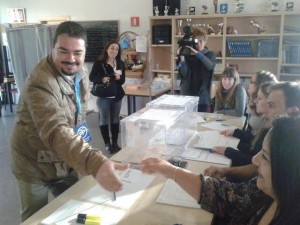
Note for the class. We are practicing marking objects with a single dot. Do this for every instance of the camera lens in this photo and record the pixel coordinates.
(185, 51)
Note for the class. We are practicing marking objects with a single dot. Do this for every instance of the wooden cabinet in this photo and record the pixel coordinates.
(276, 49)
(132, 55)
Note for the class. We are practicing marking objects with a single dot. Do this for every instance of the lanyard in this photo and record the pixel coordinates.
(77, 92)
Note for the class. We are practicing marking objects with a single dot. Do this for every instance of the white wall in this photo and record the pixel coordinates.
(114, 9)
(84, 10)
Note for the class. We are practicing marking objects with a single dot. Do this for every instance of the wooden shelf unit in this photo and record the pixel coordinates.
(281, 26)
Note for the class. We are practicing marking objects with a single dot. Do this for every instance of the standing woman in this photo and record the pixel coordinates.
(110, 68)
(231, 96)
(196, 69)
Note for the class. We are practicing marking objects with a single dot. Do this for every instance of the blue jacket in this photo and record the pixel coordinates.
(196, 75)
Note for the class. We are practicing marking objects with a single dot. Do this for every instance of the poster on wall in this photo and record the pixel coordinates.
(16, 15)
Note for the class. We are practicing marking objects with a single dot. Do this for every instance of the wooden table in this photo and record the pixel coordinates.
(7, 86)
(142, 92)
(145, 211)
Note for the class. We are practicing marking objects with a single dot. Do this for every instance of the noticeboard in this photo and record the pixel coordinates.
(99, 33)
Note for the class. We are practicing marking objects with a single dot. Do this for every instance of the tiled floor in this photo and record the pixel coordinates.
(9, 202)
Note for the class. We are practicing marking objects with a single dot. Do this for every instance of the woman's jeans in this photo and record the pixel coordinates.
(109, 110)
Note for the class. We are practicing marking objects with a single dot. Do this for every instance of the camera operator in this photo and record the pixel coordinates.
(195, 67)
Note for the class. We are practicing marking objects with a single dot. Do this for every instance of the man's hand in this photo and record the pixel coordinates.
(107, 177)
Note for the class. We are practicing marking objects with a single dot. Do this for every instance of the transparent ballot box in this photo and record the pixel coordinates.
(153, 133)
(183, 102)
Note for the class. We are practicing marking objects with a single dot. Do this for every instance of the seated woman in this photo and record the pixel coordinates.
(270, 198)
(246, 152)
(262, 96)
(254, 119)
(231, 96)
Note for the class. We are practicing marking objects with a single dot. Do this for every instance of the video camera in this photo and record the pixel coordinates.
(187, 40)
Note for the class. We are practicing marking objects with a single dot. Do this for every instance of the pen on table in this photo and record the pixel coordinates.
(226, 125)
(88, 219)
(114, 196)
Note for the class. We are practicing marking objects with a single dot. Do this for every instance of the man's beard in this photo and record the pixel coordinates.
(66, 72)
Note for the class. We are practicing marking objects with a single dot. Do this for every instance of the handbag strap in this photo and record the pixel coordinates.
(104, 69)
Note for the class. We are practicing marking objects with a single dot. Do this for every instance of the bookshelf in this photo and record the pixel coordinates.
(289, 66)
(277, 49)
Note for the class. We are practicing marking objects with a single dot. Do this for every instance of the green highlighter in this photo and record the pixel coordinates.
(88, 219)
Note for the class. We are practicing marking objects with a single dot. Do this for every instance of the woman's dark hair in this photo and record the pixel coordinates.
(72, 29)
(285, 166)
(264, 76)
(104, 56)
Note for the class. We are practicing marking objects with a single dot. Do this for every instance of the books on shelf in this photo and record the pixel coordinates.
(267, 47)
(291, 54)
(241, 48)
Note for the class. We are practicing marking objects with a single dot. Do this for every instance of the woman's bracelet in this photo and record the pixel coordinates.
(174, 175)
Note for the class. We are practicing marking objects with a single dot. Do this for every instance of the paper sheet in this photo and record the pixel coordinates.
(173, 194)
(218, 126)
(134, 183)
(199, 144)
(210, 139)
(98, 201)
(67, 213)
(141, 44)
(205, 156)
(212, 115)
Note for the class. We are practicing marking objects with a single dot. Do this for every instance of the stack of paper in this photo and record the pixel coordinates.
(199, 146)
(98, 201)
(209, 139)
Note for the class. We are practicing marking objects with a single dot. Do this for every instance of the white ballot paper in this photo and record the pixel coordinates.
(205, 156)
(134, 184)
(173, 194)
(218, 126)
(199, 145)
(67, 213)
(209, 139)
(98, 201)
